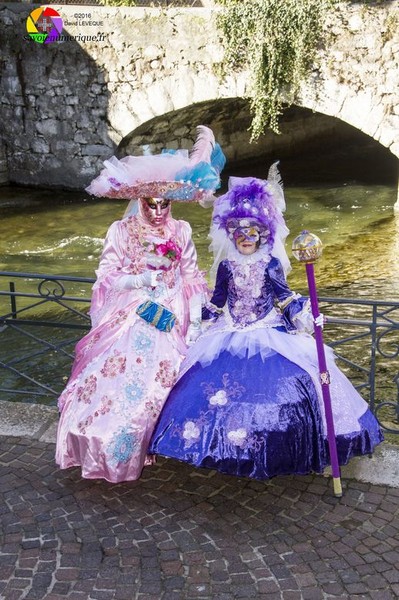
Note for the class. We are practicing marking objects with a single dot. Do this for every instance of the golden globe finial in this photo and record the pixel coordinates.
(307, 247)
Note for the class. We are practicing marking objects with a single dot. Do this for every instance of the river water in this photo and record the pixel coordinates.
(61, 233)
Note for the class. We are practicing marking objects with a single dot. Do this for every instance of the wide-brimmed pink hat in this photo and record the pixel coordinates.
(174, 174)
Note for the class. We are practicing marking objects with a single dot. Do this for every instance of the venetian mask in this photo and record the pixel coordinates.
(155, 210)
(250, 234)
(246, 239)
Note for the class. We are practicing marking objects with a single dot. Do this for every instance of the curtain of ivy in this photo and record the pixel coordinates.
(277, 42)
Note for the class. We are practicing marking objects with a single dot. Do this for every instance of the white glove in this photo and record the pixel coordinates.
(194, 329)
(304, 322)
(193, 332)
(145, 279)
(195, 308)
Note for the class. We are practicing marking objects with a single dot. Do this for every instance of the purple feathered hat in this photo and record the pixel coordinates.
(249, 202)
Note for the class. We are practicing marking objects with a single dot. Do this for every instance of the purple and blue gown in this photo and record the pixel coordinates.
(248, 399)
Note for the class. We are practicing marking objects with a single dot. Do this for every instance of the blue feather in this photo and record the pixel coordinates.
(202, 174)
(218, 159)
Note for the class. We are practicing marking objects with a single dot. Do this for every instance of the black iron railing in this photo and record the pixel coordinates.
(43, 316)
(41, 319)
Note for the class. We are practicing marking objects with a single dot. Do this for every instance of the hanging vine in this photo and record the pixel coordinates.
(277, 41)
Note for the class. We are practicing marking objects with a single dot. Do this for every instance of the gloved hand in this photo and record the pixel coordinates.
(146, 279)
(304, 321)
(193, 332)
(194, 329)
(195, 308)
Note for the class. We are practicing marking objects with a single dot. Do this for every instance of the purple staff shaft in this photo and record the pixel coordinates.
(325, 385)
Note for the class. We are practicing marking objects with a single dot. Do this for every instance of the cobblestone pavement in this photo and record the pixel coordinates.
(181, 533)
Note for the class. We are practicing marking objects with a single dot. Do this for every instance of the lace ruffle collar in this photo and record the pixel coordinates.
(261, 255)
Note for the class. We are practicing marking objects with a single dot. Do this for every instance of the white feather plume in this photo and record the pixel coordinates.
(203, 146)
(274, 173)
(276, 185)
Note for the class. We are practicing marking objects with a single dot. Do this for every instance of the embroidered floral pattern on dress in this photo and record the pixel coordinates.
(154, 407)
(140, 235)
(105, 407)
(166, 375)
(82, 425)
(217, 398)
(134, 392)
(114, 365)
(137, 233)
(170, 277)
(121, 317)
(93, 340)
(191, 432)
(88, 388)
(142, 343)
(220, 397)
(122, 446)
(245, 293)
(157, 292)
(238, 436)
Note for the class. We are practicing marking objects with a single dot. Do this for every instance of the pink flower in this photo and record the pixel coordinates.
(160, 249)
(169, 250)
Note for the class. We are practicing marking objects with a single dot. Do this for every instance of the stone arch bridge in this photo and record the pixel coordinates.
(126, 77)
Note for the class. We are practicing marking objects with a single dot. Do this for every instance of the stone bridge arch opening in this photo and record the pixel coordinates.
(312, 147)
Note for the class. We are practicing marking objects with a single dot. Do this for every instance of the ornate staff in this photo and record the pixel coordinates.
(307, 248)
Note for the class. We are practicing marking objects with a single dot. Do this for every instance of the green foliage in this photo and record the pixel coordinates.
(277, 41)
(117, 2)
(391, 27)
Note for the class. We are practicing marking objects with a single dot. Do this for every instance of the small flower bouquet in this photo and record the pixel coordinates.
(162, 255)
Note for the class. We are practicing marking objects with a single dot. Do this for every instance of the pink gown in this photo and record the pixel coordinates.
(124, 367)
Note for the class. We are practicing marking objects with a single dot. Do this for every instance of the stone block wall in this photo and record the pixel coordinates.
(66, 106)
(141, 75)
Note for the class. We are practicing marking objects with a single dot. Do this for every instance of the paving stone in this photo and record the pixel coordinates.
(290, 595)
(268, 586)
(383, 595)
(180, 533)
